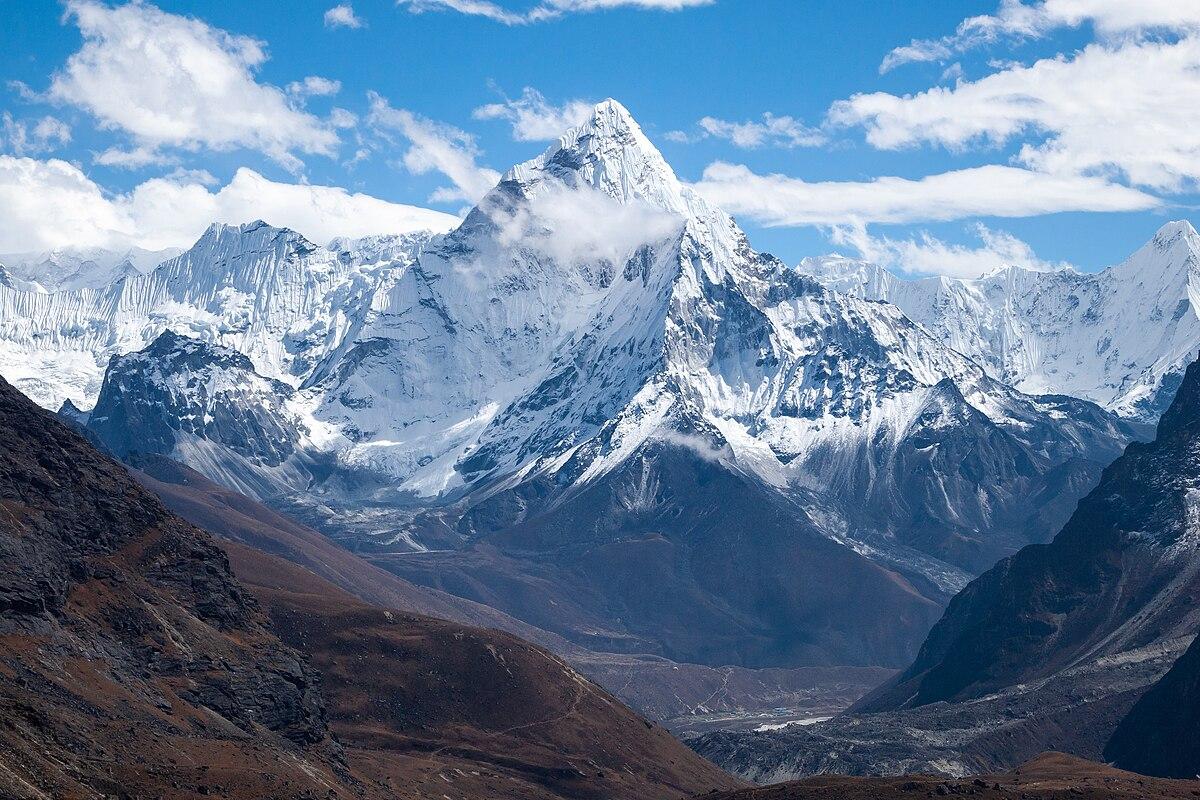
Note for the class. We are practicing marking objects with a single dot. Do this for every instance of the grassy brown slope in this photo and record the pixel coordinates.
(1050, 776)
(431, 708)
(132, 664)
(234, 516)
(661, 689)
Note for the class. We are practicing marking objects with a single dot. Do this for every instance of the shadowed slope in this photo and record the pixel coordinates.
(424, 705)
(1161, 735)
(133, 662)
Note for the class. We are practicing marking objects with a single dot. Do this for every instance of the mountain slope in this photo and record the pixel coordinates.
(1050, 776)
(1161, 734)
(1121, 574)
(429, 708)
(1048, 650)
(124, 631)
(1120, 338)
(70, 268)
(281, 300)
(485, 395)
(205, 404)
(136, 663)
(679, 694)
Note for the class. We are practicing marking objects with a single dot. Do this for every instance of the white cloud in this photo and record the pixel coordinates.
(993, 190)
(1126, 110)
(581, 224)
(436, 147)
(132, 158)
(314, 86)
(49, 204)
(342, 16)
(28, 136)
(173, 81)
(546, 10)
(533, 118)
(1110, 18)
(772, 130)
(341, 118)
(927, 255)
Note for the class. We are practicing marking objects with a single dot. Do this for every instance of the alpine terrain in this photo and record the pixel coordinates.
(646, 438)
(137, 664)
(1049, 649)
(1120, 338)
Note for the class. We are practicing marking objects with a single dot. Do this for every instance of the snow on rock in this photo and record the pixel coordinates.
(1120, 338)
(589, 306)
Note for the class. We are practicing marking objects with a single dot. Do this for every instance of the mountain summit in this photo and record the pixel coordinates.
(576, 384)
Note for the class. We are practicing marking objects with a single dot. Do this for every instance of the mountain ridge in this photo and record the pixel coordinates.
(1033, 328)
(594, 339)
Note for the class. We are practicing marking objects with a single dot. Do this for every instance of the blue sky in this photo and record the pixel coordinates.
(1047, 132)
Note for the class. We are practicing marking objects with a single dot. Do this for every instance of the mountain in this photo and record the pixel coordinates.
(682, 696)
(78, 267)
(125, 632)
(1122, 574)
(591, 395)
(1120, 338)
(1161, 734)
(138, 664)
(426, 708)
(204, 404)
(269, 293)
(1047, 650)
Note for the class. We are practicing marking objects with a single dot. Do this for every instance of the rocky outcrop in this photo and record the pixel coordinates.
(1161, 735)
(126, 638)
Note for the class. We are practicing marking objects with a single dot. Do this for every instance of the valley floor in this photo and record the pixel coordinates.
(1051, 776)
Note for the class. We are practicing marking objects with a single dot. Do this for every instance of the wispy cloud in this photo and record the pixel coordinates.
(546, 10)
(1015, 19)
(994, 190)
(314, 86)
(533, 118)
(25, 137)
(342, 16)
(436, 147)
(925, 254)
(770, 131)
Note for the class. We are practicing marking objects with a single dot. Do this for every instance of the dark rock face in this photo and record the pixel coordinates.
(1122, 574)
(179, 386)
(120, 622)
(1161, 735)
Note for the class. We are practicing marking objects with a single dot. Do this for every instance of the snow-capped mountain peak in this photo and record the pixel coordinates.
(610, 153)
